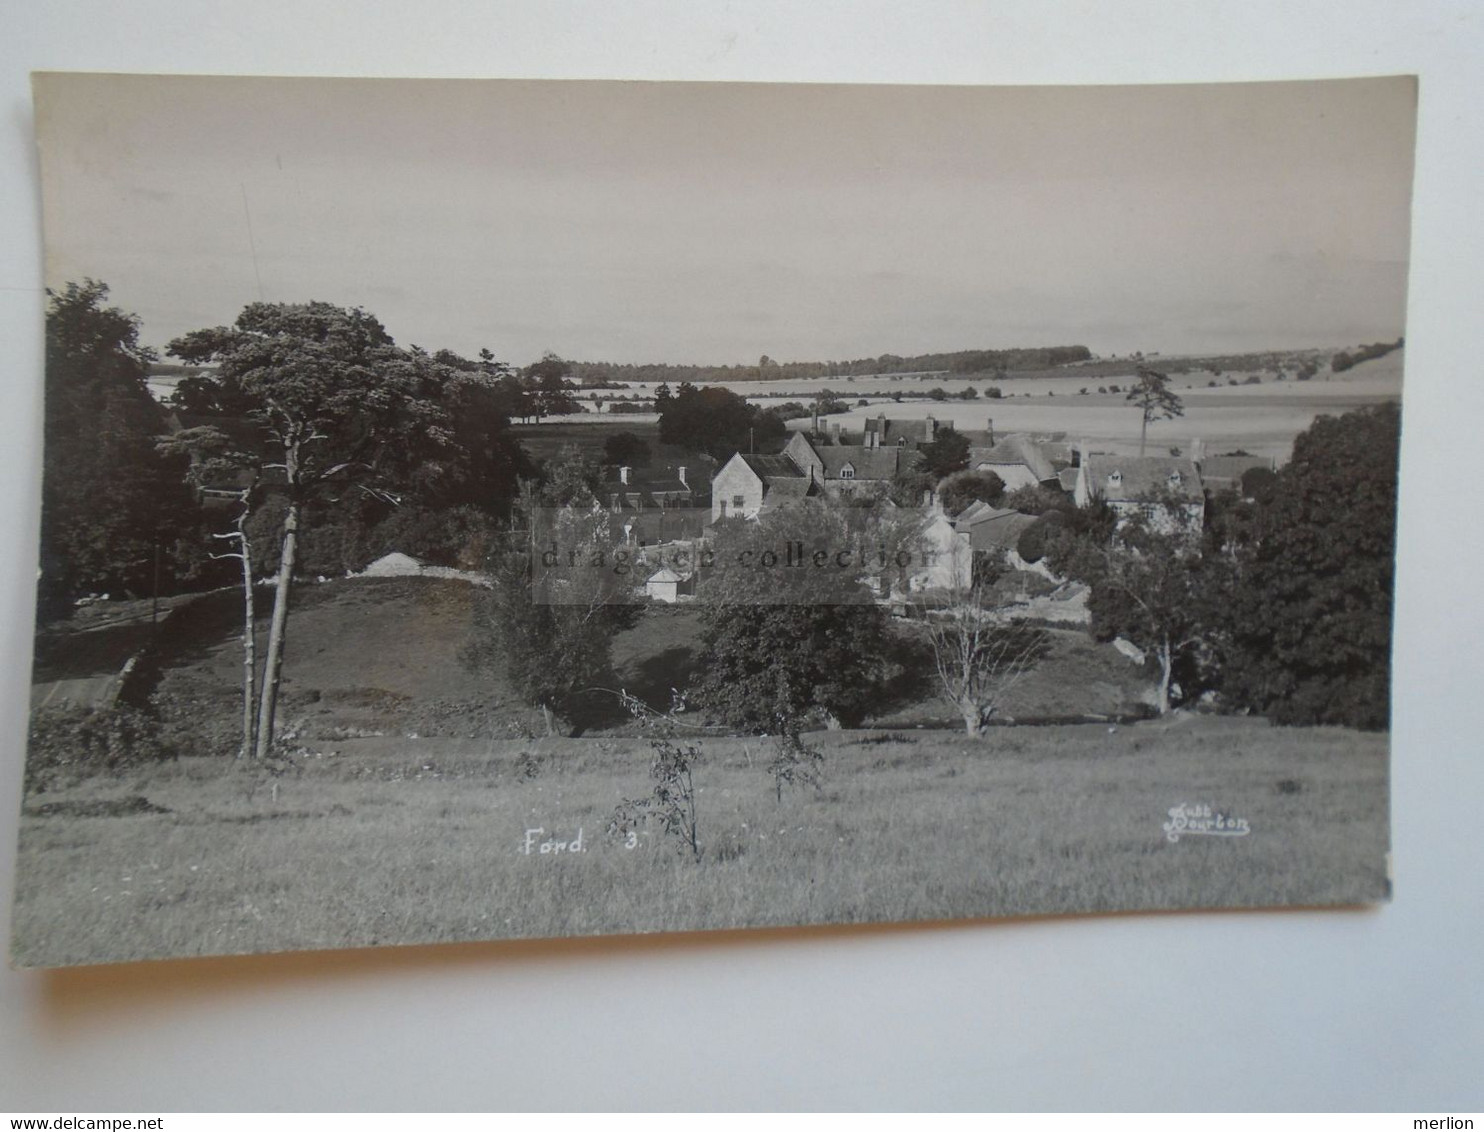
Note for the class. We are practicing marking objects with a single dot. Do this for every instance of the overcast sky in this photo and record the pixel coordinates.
(717, 222)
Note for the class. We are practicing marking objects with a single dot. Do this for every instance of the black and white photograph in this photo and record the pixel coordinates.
(495, 509)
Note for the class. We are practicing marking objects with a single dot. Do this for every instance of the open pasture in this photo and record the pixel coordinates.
(407, 841)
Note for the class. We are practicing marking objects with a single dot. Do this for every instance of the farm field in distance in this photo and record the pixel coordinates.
(425, 840)
(1261, 419)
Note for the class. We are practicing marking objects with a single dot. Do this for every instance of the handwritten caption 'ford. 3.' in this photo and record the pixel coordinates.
(538, 843)
(1190, 821)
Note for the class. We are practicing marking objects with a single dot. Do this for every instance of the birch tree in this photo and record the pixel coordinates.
(979, 656)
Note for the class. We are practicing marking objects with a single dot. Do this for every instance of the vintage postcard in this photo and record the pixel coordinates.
(490, 509)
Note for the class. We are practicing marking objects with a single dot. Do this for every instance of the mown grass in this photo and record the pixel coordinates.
(390, 840)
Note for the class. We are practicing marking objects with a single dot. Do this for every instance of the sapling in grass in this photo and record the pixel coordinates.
(794, 762)
(672, 802)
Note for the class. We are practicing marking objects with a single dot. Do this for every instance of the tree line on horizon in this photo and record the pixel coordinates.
(961, 362)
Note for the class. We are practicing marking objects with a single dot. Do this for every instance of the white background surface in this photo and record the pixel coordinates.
(1334, 1010)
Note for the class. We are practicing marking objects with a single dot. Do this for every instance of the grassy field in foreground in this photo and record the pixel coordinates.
(393, 840)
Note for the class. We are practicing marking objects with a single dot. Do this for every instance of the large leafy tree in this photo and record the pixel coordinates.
(714, 420)
(963, 488)
(549, 386)
(114, 508)
(560, 591)
(342, 410)
(1157, 590)
(1307, 637)
(787, 629)
(947, 453)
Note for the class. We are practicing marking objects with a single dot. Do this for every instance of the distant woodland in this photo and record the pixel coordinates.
(958, 362)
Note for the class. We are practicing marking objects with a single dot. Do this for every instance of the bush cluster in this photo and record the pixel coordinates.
(70, 743)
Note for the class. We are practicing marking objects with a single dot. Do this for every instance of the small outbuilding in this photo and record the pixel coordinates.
(665, 585)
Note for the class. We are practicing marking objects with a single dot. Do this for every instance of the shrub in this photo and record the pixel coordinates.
(963, 488)
(195, 717)
(1032, 544)
(70, 743)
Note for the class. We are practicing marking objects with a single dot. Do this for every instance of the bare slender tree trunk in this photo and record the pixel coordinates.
(273, 663)
(1166, 662)
(249, 647)
(1143, 431)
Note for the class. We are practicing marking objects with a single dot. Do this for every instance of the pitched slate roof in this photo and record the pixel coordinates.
(974, 511)
(869, 463)
(1131, 479)
(781, 491)
(772, 466)
(892, 429)
(994, 528)
(1059, 452)
(656, 525)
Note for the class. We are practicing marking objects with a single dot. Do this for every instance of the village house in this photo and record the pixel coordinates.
(748, 483)
(629, 488)
(654, 505)
(992, 530)
(1166, 490)
(1018, 460)
(843, 467)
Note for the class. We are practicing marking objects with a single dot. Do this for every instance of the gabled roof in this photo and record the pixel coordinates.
(891, 429)
(868, 463)
(1137, 479)
(660, 525)
(784, 490)
(973, 511)
(1015, 450)
(1059, 452)
(994, 528)
(769, 467)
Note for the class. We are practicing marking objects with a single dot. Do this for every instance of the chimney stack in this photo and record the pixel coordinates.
(623, 474)
(680, 472)
(991, 432)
